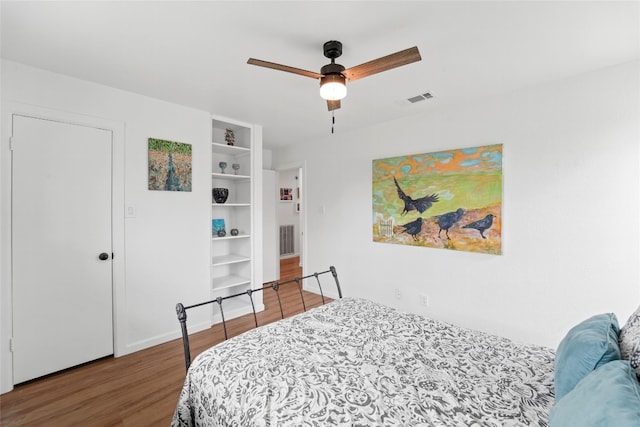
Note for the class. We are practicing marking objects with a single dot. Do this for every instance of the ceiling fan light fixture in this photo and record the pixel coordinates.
(333, 87)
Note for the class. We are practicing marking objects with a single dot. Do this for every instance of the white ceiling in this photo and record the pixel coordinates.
(195, 53)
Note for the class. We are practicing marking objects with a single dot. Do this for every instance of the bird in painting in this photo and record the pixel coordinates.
(482, 224)
(446, 221)
(413, 228)
(421, 204)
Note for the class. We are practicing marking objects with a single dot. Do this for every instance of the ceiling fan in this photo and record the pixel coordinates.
(333, 76)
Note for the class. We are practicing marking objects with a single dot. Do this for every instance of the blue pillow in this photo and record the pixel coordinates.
(588, 345)
(608, 396)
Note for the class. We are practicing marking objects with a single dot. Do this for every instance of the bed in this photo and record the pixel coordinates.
(354, 362)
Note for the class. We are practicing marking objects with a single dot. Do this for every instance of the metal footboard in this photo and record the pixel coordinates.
(181, 310)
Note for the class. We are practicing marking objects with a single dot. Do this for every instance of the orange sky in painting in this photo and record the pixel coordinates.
(472, 160)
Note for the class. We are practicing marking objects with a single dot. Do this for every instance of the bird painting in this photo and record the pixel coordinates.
(449, 190)
(482, 224)
(413, 228)
(446, 221)
(421, 204)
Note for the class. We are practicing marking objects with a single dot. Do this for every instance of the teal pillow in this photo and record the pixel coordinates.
(608, 396)
(588, 345)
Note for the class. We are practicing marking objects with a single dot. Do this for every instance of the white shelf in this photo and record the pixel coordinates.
(226, 282)
(230, 176)
(231, 150)
(229, 237)
(231, 205)
(229, 259)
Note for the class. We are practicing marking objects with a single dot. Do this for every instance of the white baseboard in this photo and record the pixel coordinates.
(232, 314)
(331, 293)
(161, 339)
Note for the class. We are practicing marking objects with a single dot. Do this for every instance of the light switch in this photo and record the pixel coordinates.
(130, 211)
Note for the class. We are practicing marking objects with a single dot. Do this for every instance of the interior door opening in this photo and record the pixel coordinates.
(291, 214)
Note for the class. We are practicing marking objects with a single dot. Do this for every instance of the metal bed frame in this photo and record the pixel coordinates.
(181, 310)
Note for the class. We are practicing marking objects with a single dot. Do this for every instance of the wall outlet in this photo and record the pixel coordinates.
(424, 300)
(398, 294)
(130, 211)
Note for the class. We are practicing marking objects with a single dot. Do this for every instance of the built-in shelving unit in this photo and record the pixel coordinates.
(234, 255)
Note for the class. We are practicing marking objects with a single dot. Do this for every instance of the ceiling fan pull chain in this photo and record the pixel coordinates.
(333, 120)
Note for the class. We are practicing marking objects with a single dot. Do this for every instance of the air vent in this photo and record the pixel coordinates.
(419, 98)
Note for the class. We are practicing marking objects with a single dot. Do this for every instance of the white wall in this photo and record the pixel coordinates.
(166, 246)
(571, 209)
(270, 235)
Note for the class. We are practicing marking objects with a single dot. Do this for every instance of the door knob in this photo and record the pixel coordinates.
(103, 256)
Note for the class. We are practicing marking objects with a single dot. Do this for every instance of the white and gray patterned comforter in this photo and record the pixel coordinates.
(353, 362)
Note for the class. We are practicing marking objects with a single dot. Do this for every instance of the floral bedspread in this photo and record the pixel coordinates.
(353, 362)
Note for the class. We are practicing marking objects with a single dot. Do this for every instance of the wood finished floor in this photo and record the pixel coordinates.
(140, 389)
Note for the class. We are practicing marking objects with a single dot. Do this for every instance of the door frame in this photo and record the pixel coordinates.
(304, 253)
(9, 109)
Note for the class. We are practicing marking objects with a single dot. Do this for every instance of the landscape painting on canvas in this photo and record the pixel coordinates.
(448, 199)
(169, 165)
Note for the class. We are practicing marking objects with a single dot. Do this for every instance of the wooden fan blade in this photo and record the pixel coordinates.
(286, 68)
(385, 63)
(333, 105)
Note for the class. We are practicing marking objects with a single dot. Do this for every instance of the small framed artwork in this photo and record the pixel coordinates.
(169, 165)
(217, 225)
(286, 194)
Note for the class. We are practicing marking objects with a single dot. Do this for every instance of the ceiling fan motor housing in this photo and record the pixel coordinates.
(332, 49)
(332, 68)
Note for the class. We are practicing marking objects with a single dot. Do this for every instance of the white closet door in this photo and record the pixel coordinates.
(61, 246)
